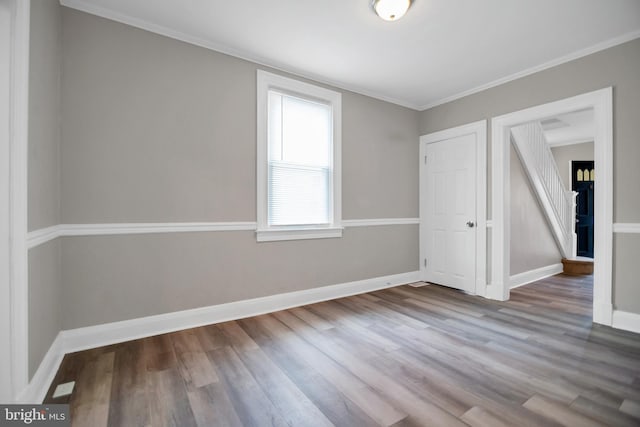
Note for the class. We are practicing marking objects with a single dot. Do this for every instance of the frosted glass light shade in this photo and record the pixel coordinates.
(391, 10)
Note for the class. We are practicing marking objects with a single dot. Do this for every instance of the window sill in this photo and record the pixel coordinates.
(272, 235)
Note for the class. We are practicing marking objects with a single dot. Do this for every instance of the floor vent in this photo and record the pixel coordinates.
(64, 389)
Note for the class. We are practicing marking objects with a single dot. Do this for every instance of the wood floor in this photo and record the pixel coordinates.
(403, 357)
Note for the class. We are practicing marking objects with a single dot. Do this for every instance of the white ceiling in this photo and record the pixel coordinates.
(571, 128)
(441, 50)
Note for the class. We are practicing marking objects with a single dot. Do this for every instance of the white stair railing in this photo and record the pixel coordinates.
(558, 204)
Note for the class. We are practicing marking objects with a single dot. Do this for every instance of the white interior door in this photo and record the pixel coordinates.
(448, 212)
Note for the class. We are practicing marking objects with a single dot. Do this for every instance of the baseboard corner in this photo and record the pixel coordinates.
(626, 320)
(36, 390)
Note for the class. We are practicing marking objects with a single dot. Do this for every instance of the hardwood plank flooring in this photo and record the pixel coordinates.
(398, 357)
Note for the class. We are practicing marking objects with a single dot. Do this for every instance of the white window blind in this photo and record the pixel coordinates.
(299, 161)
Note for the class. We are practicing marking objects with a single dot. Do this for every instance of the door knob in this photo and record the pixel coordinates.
(470, 224)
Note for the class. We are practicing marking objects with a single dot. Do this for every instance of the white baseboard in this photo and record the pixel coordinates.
(37, 388)
(530, 276)
(79, 339)
(627, 321)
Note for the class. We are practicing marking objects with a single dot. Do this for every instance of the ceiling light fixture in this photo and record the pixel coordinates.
(391, 10)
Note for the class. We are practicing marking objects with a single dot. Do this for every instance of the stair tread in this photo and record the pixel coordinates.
(586, 261)
(577, 266)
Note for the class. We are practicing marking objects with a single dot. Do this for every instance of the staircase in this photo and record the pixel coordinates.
(558, 204)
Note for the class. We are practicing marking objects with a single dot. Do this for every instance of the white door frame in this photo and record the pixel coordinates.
(479, 129)
(602, 103)
(15, 321)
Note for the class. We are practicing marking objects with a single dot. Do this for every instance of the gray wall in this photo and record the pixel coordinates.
(618, 67)
(532, 243)
(626, 248)
(45, 300)
(565, 154)
(44, 115)
(44, 176)
(156, 130)
(110, 278)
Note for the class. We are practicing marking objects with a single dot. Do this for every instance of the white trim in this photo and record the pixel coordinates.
(550, 64)
(626, 227)
(601, 102)
(379, 221)
(145, 228)
(264, 83)
(479, 129)
(530, 276)
(18, 143)
(626, 320)
(111, 333)
(7, 17)
(43, 235)
(37, 389)
(489, 223)
(274, 235)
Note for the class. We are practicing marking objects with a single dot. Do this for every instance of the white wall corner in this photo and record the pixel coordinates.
(36, 390)
(497, 291)
(602, 312)
(531, 276)
(626, 320)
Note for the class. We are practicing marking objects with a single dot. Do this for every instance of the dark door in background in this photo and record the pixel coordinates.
(583, 181)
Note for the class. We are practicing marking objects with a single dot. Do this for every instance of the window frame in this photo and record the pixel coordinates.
(268, 81)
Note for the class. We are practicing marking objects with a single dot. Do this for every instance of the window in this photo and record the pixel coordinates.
(298, 167)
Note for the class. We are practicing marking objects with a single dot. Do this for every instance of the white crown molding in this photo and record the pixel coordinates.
(43, 235)
(626, 227)
(550, 64)
(85, 338)
(92, 9)
(626, 321)
(531, 276)
(379, 221)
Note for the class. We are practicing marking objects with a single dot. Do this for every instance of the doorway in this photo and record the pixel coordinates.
(601, 101)
(583, 182)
